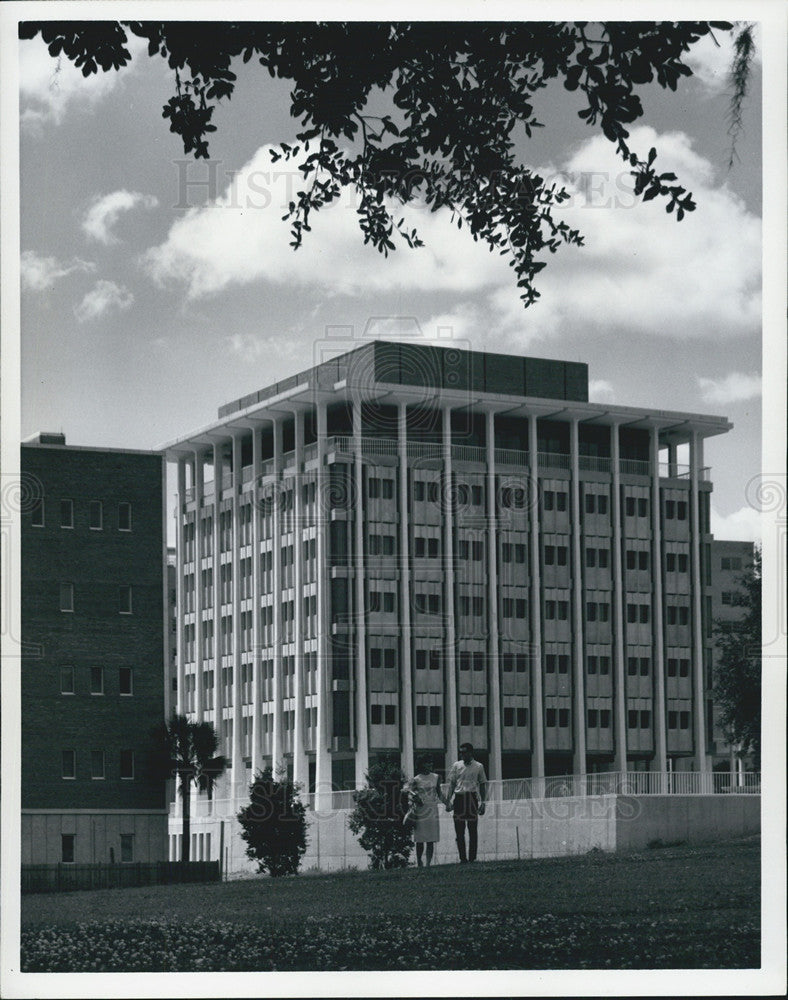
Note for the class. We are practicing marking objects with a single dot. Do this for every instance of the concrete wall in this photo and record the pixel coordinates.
(691, 818)
(535, 828)
(94, 835)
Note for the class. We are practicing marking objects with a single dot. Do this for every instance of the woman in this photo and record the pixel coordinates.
(425, 791)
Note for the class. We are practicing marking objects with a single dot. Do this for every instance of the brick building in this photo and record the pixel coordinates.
(93, 668)
(405, 547)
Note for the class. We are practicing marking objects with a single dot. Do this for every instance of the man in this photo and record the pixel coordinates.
(468, 785)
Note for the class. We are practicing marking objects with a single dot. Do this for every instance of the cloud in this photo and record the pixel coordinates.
(106, 209)
(639, 273)
(240, 238)
(49, 86)
(710, 59)
(743, 525)
(103, 297)
(600, 391)
(40, 273)
(733, 388)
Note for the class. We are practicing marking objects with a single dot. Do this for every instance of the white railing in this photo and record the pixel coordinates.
(509, 456)
(552, 460)
(634, 467)
(594, 463)
(247, 474)
(424, 449)
(310, 451)
(468, 453)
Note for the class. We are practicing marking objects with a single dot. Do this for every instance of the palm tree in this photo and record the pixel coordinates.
(188, 750)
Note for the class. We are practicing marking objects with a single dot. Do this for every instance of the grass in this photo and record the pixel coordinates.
(681, 906)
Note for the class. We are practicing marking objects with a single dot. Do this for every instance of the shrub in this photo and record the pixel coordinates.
(274, 824)
(377, 817)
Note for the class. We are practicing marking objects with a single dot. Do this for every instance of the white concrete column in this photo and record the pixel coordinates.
(452, 716)
(493, 653)
(406, 645)
(360, 708)
(696, 458)
(257, 596)
(218, 656)
(300, 766)
(619, 661)
(537, 687)
(239, 769)
(578, 648)
(199, 665)
(278, 686)
(179, 589)
(672, 460)
(323, 787)
(660, 715)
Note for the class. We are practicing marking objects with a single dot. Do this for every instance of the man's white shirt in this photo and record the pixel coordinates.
(467, 777)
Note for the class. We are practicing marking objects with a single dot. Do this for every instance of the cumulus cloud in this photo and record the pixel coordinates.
(710, 59)
(743, 525)
(106, 209)
(102, 298)
(600, 391)
(733, 388)
(49, 86)
(40, 273)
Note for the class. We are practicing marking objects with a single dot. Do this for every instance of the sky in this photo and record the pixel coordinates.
(156, 288)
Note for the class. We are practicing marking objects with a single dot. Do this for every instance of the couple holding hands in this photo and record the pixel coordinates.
(464, 798)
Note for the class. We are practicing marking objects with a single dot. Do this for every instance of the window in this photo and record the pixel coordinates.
(631, 558)
(604, 664)
(465, 661)
(519, 553)
(124, 600)
(681, 510)
(97, 680)
(549, 500)
(632, 665)
(632, 719)
(590, 612)
(127, 765)
(66, 513)
(683, 615)
(645, 666)
(373, 487)
(68, 764)
(522, 717)
(376, 714)
(589, 503)
(421, 715)
(645, 719)
(727, 597)
(67, 680)
(477, 551)
(670, 510)
(591, 664)
(642, 560)
(418, 490)
(549, 555)
(507, 551)
(435, 659)
(563, 718)
(563, 663)
(387, 489)
(560, 501)
(604, 718)
(435, 715)
(645, 614)
(67, 848)
(684, 720)
(673, 720)
(125, 681)
(37, 513)
(683, 562)
(478, 716)
(632, 613)
(67, 597)
(508, 716)
(96, 515)
(465, 715)
(97, 765)
(601, 504)
(683, 667)
(463, 549)
(592, 718)
(629, 506)
(390, 715)
(550, 662)
(670, 562)
(124, 516)
(602, 558)
(642, 507)
(549, 610)
(550, 718)
(432, 492)
(590, 557)
(563, 611)
(672, 666)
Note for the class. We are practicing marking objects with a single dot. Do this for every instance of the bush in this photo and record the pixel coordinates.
(274, 824)
(377, 817)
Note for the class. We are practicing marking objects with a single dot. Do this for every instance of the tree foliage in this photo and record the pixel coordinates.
(737, 687)
(274, 824)
(377, 817)
(186, 751)
(450, 102)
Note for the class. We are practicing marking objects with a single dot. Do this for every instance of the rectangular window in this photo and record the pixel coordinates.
(67, 848)
(604, 664)
(561, 555)
(549, 555)
(96, 517)
(591, 662)
(670, 562)
(560, 501)
(478, 716)
(435, 715)
(390, 715)
(522, 717)
(506, 552)
(376, 714)
(508, 663)
(124, 600)
(67, 680)
(681, 510)
(126, 848)
(631, 558)
(563, 718)
(67, 597)
(508, 716)
(683, 562)
(683, 615)
(672, 666)
(519, 553)
(37, 513)
(68, 764)
(684, 667)
(66, 513)
(590, 611)
(673, 722)
(127, 765)
(549, 610)
(435, 659)
(670, 510)
(629, 506)
(465, 661)
(604, 718)
(645, 666)
(418, 490)
(645, 719)
(563, 663)
(642, 507)
(124, 516)
(589, 503)
(550, 718)
(421, 715)
(632, 613)
(550, 662)
(477, 607)
(563, 611)
(97, 765)
(645, 614)
(632, 719)
(602, 558)
(97, 680)
(432, 492)
(590, 557)
(373, 487)
(125, 681)
(632, 666)
(465, 715)
(642, 560)
(477, 551)
(592, 718)
(601, 504)
(684, 720)
(549, 500)
(387, 489)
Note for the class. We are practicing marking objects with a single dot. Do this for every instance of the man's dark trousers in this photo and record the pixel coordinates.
(466, 813)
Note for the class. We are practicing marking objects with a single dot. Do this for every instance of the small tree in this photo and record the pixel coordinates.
(377, 817)
(274, 824)
(186, 751)
(737, 687)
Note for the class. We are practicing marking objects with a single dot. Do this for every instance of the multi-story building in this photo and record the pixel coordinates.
(406, 547)
(93, 665)
(730, 561)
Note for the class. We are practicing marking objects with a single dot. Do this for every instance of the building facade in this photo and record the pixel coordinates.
(406, 547)
(93, 663)
(730, 560)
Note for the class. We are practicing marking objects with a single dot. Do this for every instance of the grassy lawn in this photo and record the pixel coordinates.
(683, 906)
